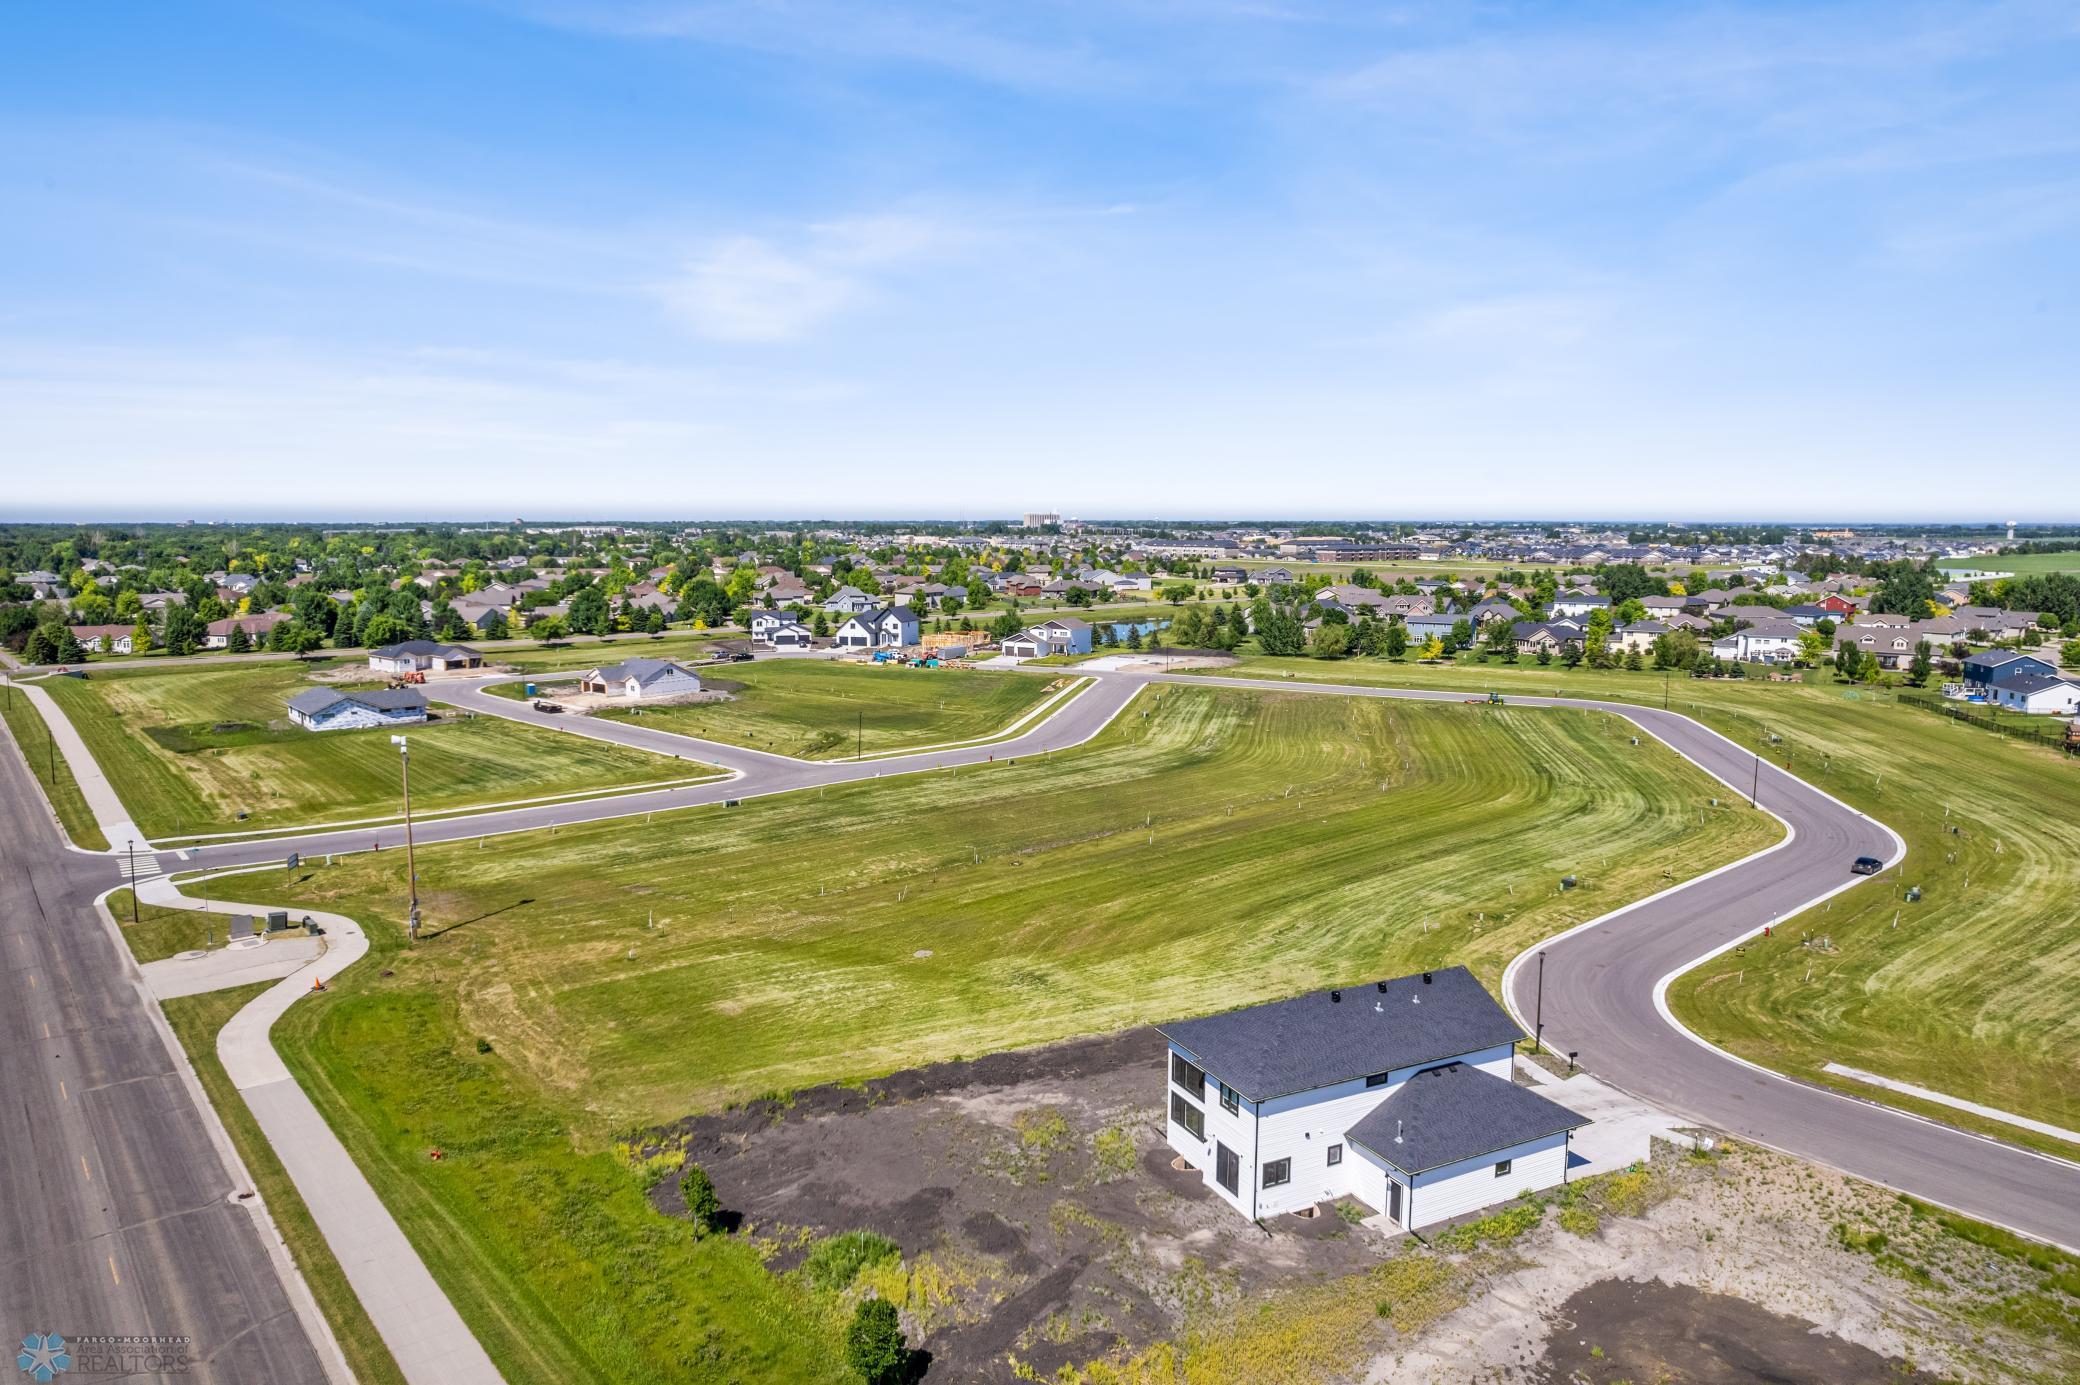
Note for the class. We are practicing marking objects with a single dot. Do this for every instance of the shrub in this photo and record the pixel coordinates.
(837, 1260)
(874, 1343)
(701, 1202)
(1113, 1149)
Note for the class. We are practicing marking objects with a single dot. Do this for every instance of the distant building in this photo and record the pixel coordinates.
(1063, 635)
(1035, 519)
(641, 679)
(421, 656)
(335, 709)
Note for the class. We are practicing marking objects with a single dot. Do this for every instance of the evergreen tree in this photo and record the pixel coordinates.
(238, 641)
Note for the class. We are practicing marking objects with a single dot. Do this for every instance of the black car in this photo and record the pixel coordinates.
(547, 707)
(1867, 865)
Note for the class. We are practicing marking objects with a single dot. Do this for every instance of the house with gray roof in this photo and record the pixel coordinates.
(641, 680)
(1397, 1093)
(341, 709)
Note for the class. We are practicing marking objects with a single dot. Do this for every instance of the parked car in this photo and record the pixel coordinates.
(547, 707)
(1867, 865)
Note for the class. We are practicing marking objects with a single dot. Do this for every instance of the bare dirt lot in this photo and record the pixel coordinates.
(1043, 1229)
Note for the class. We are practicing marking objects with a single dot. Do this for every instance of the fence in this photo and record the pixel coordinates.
(2042, 730)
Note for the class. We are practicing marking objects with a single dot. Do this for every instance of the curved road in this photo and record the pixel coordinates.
(1604, 980)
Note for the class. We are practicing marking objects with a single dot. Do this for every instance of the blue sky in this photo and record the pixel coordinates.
(625, 257)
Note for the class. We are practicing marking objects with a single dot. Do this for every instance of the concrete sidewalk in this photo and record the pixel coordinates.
(224, 967)
(108, 810)
(428, 1338)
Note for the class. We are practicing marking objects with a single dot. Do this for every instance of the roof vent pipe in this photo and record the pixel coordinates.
(1397, 1130)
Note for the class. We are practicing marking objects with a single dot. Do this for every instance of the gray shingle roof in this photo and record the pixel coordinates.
(1455, 1112)
(1311, 1041)
(311, 701)
(644, 671)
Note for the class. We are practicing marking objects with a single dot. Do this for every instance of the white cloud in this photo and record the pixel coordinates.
(747, 289)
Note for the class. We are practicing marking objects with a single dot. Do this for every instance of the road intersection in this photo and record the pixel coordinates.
(1604, 981)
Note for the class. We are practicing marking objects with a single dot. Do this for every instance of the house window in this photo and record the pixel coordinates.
(1502, 1169)
(1227, 1167)
(1278, 1172)
(1335, 1154)
(1187, 1076)
(1188, 1116)
(1231, 1100)
(1378, 1079)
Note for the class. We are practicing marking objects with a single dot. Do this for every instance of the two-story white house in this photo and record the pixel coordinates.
(1576, 605)
(779, 630)
(1397, 1094)
(1062, 635)
(1777, 642)
(890, 627)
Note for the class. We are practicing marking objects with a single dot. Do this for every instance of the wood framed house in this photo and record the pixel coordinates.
(1397, 1093)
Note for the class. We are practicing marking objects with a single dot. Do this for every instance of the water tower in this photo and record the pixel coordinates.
(2011, 531)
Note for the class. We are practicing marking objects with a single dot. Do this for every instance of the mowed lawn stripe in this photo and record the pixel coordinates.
(827, 711)
(787, 928)
(1973, 993)
(188, 750)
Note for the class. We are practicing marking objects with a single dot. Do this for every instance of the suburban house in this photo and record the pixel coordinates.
(1397, 1094)
(104, 639)
(2047, 694)
(1554, 635)
(1423, 627)
(890, 627)
(850, 601)
(217, 634)
(1234, 576)
(337, 709)
(1275, 577)
(1576, 605)
(641, 679)
(1636, 638)
(1983, 671)
(1062, 635)
(1493, 609)
(1774, 643)
(422, 656)
(779, 630)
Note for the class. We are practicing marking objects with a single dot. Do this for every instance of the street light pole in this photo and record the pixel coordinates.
(133, 881)
(1755, 785)
(1538, 1038)
(411, 864)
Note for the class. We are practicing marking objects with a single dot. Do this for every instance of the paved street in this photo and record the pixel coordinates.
(116, 1213)
(1602, 983)
(1600, 998)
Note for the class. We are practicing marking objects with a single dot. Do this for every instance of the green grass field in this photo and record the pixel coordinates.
(158, 933)
(1974, 993)
(827, 711)
(196, 1021)
(2021, 564)
(51, 772)
(188, 751)
(1225, 847)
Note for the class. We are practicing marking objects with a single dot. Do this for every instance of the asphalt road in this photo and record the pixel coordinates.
(1601, 984)
(759, 773)
(116, 1215)
(1600, 997)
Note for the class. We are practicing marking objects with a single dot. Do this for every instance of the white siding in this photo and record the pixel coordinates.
(1300, 1126)
(1471, 1185)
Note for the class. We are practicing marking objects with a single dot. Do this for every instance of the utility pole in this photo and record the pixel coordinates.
(1538, 1038)
(859, 737)
(133, 881)
(1664, 689)
(1755, 785)
(411, 865)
